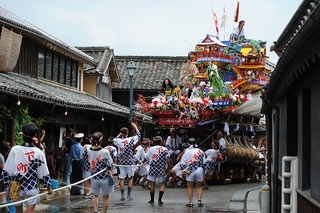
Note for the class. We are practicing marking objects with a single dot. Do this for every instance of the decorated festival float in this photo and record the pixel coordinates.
(220, 84)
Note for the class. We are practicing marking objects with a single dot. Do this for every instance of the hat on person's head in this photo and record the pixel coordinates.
(202, 83)
(79, 135)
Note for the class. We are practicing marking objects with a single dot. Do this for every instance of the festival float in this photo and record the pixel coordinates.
(221, 84)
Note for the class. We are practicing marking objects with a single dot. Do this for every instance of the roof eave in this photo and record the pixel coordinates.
(65, 50)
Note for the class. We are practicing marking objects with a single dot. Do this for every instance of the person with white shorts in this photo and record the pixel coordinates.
(210, 162)
(125, 157)
(192, 164)
(27, 164)
(100, 159)
(86, 168)
(158, 158)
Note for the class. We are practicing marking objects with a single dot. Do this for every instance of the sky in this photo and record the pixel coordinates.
(153, 27)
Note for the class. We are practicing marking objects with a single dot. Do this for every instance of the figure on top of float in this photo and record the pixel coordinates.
(171, 92)
(187, 75)
(238, 32)
(213, 76)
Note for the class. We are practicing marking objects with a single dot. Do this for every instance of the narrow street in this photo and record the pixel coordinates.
(216, 199)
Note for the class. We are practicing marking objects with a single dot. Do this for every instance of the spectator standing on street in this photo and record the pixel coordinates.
(50, 150)
(2, 162)
(76, 158)
(126, 158)
(67, 142)
(27, 164)
(192, 162)
(158, 159)
(99, 160)
(5, 149)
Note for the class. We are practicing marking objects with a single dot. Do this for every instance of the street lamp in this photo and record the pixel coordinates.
(131, 69)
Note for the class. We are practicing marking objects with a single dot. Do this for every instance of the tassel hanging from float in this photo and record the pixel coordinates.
(226, 128)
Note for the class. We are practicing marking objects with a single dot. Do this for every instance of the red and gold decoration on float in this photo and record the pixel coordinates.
(218, 77)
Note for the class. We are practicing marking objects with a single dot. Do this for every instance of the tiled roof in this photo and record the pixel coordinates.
(299, 44)
(15, 84)
(104, 55)
(150, 72)
(9, 19)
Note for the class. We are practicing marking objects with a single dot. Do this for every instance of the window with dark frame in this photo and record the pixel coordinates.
(57, 68)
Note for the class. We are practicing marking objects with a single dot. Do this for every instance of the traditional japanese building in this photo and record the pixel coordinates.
(45, 80)
(292, 113)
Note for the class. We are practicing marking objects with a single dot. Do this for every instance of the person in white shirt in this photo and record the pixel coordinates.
(142, 170)
(100, 159)
(125, 157)
(173, 144)
(192, 162)
(210, 162)
(238, 32)
(222, 142)
(158, 160)
(27, 164)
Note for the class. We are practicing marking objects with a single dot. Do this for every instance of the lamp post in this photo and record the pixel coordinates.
(131, 69)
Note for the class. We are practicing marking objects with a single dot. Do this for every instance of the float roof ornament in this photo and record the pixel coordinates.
(210, 40)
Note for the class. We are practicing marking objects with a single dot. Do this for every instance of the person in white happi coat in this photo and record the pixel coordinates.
(86, 168)
(173, 143)
(158, 159)
(113, 152)
(100, 159)
(210, 162)
(222, 142)
(27, 164)
(125, 157)
(238, 32)
(141, 169)
(192, 164)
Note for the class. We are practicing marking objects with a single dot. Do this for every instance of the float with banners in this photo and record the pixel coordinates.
(223, 88)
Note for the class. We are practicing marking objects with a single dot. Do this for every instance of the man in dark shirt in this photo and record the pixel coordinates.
(68, 141)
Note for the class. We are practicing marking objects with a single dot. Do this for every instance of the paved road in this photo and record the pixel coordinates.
(215, 200)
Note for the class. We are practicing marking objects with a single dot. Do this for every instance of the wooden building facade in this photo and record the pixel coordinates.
(293, 118)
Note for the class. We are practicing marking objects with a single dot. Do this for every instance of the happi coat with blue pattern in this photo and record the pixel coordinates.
(125, 149)
(26, 164)
(99, 159)
(157, 159)
(192, 159)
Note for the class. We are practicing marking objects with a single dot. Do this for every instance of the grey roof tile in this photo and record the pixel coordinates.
(15, 84)
(151, 71)
(101, 54)
(6, 17)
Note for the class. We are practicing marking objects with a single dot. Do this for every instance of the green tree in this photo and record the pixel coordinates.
(20, 116)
